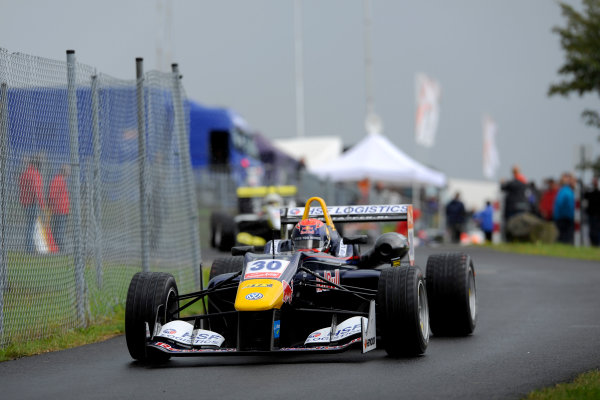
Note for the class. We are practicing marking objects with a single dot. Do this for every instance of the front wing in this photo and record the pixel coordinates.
(367, 342)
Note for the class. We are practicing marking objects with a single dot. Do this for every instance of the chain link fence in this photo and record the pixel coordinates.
(95, 185)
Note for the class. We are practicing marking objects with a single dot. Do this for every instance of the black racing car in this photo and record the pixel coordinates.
(291, 298)
(251, 225)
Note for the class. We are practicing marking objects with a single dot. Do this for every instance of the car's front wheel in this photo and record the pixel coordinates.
(151, 297)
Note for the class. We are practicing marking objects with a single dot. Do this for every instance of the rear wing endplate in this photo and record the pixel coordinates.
(358, 213)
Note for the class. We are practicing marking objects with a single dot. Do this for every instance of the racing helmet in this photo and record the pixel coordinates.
(311, 234)
(272, 199)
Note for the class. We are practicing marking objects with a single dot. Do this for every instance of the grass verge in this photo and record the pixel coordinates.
(105, 329)
(584, 387)
(550, 250)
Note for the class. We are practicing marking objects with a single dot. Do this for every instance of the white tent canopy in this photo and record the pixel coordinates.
(313, 150)
(376, 158)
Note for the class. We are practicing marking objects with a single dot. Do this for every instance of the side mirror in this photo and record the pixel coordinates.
(356, 239)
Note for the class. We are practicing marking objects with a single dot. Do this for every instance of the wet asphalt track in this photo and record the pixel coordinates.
(539, 323)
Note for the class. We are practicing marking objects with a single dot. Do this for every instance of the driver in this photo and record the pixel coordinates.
(311, 234)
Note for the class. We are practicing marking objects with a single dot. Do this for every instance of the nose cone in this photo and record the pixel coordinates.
(259, 295)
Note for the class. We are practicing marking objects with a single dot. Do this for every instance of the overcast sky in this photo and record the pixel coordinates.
(496, 57)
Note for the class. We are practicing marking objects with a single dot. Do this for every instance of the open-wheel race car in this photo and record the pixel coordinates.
(313, 292)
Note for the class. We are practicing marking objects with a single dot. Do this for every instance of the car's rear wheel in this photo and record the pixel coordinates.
(452, 294)
(402, 311)
(151, 297)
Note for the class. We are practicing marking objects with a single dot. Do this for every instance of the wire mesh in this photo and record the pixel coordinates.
(39, 235)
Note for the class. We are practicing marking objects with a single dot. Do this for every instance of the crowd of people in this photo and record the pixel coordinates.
(54, 206)
(555, 203)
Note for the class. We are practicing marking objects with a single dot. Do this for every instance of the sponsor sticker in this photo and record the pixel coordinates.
(332, 276)
(288, 290)
(276, 329)
(184, 333)
(254, 296)
(368, 336)
(350, 327)
(257, 285)
(353, 210)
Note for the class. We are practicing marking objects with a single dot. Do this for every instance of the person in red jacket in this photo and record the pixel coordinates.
(547, 200)
(31, 197)
(58, 203)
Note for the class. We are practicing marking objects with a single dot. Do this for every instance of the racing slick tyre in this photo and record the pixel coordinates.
(225, 265)
(149, 294)
(402, 312)
(225, 325)
(222, 231)
(452, 295)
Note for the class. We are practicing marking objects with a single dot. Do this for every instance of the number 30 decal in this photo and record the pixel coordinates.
(271, 265)
(266, 268)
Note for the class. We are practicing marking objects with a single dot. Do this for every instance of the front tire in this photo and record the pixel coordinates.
(225, 265)
(149, 294)
(452, 294)
(402, 311)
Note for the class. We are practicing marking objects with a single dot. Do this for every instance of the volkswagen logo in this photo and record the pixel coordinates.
(254, 296)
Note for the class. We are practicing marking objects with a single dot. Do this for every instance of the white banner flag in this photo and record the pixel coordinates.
(428, 110)
(491, 159)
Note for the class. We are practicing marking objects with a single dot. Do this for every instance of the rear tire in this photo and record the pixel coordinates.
(149, 291)
(225, 265)
(452, 294)
(402, 311)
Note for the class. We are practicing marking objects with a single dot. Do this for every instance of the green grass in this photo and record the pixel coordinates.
(28, 304)
(34, 308)
(551, 250)
(104, 329)
(584, 387)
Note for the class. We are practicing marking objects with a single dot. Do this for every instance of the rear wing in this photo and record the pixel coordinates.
(245, 192)
(357, 213)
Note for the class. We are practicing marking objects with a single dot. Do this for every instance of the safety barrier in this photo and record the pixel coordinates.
(95, 185)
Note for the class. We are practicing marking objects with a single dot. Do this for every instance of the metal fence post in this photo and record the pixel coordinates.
(186, 165)
(141, 115)
(96, 165)
(75, 187)
(3, 155)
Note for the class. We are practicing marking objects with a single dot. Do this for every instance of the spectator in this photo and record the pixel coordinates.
(515, 200)
(455, 217)
(485, 220)
(533, 196)
(518, 175)
(58, 203)
(564, 209)
(593, 212)
(547, 200)
(31, 197)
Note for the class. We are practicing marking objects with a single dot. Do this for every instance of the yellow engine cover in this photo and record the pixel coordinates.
(261, 294)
